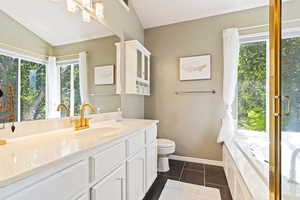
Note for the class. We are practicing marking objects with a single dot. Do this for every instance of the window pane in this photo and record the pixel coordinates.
(32, 90)
(77, 100)
(9, 75)
(65, 84)
(252, 87)
(290, 74)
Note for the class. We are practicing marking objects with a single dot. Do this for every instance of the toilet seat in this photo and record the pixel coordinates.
(165, 143)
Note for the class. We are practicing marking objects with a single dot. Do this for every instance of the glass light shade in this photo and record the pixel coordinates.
(99, 9)
(71, 6)
(87, 3)
(86, 17)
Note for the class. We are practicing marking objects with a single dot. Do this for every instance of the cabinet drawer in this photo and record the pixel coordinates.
(151, 134)
(136, 142)
(62, 185)
(112, 187)
(106, 161)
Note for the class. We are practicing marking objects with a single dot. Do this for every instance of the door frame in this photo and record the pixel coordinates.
(275, 12)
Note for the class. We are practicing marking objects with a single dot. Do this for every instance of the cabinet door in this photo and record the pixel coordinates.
(139, 64)
(136, 177)
(151, 164)
(113, 187)
(146, 68)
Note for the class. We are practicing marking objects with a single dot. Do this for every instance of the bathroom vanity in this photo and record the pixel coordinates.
(113, 160)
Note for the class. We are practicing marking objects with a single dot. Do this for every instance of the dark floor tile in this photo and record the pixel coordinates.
(224, 191)
(193, 166)
(175, 169)
(192, 176)
(156, 189)
(215, 175)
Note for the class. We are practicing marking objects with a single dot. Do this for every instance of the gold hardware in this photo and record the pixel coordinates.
(288, 105)
(275, 92)
(83, 123)
(3, 142)
(60, 106)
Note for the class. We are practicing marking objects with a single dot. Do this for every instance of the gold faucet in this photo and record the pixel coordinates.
(67, 110)
(83, 123)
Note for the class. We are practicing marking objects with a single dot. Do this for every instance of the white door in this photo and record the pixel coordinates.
(113, 187)
(151, 164)
(136, 177)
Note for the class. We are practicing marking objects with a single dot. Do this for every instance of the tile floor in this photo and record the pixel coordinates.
(200, 174)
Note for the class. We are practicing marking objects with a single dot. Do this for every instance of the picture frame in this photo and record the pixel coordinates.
(195, 68)
(104, 75)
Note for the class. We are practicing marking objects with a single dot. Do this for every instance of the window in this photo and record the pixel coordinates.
(28, 79)
(252, 102)
(9, 75)
(252, 86)
(290, 71)
(33, 79)
(69, 83)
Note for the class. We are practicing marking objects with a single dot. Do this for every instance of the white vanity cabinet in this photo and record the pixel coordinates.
(63, 185)
(136, 175)
(113, 187)
(151, 163)
(123, 169)
(137, 65)
(151, 155)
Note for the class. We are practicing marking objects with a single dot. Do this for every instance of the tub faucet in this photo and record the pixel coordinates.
(293, 171)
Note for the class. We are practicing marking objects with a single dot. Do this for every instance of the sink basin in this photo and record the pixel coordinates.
(100, 131)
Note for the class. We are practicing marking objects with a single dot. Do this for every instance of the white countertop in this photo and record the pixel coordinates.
(26, 156)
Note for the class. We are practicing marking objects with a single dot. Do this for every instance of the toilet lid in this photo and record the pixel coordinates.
(164, 143)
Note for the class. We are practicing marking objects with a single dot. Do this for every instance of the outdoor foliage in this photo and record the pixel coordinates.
(290, 73)
(65, 82)
(9, 74)
(33, 79)
(252, 87)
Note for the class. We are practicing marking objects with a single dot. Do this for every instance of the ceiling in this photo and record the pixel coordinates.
(154, 13)
(50, 20)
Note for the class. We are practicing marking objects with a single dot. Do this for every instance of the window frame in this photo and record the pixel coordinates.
(71, 62)
(21, 57)
(259, 37)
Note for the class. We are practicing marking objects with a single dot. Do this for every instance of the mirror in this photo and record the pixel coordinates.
(49, 56)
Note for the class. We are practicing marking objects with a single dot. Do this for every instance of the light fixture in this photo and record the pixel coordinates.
(87, 4)
(89, 8)
(71, 6)
(99, 9)
(86, 17)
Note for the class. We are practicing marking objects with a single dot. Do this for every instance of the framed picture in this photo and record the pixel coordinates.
(104, 75)
(195, 68)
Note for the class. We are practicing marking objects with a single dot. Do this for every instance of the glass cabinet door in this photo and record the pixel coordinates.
(146, 68)
(139, 64)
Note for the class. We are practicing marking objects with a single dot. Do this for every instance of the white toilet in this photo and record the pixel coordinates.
(165, 148)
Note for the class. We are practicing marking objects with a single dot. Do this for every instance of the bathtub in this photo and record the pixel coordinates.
(254, 147)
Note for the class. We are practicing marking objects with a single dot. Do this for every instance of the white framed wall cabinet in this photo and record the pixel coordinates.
(137, 68)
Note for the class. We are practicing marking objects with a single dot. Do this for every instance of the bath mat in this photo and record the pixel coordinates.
(175, 190)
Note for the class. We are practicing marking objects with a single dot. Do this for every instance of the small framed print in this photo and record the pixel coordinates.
(104, 75)
(195, 68)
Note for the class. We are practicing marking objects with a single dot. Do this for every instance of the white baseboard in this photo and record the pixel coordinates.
(197, 160)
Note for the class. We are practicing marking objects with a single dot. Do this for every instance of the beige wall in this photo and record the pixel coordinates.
(122, 22)
(192, 121)
(16, 35)
(101, 52)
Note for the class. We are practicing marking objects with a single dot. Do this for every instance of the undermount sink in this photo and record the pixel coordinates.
(99, 130)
